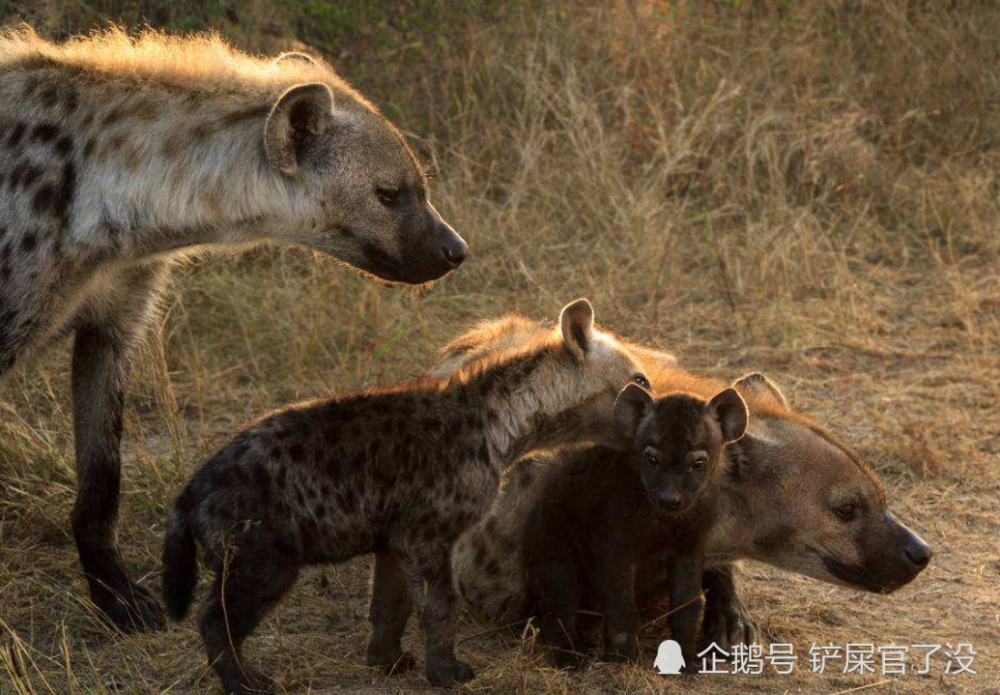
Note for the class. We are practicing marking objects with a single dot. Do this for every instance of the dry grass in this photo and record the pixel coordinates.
(810, 189)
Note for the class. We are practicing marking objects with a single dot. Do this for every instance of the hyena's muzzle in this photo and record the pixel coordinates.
(891, 556)
(429, 249)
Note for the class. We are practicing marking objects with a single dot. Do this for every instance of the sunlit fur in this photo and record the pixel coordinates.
(780, 484)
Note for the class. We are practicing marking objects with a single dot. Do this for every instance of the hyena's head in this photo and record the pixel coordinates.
(591, 420)
(812, 506)
(676, 442)
(495, 336)
(360, 194)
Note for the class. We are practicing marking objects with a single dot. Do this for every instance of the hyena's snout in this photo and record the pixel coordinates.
(440, 246)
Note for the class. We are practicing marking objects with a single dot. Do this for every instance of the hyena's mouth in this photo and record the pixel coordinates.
(382, 264)
(860, 576)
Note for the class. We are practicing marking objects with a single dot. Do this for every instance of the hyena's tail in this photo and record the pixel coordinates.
(180, 565)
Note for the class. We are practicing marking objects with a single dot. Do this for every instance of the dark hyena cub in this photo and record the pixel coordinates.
(399, 472)
(602, 514)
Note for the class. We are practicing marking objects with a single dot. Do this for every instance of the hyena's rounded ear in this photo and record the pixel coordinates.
(577, 324)
(292, 56)
(301, 116)
(631, 406)
(756, 384)
(731, 411)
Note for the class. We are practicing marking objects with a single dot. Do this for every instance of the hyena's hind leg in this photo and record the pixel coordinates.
(247, 586)
(101, 364)
(391, 606)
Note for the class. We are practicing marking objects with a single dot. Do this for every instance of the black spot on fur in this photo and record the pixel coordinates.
(50, 96)
(66, 193)
(44, 199)
(16, 135)
(45, 132)
(297, 452)
(275, 453)
(70, 101)
(64, 146)
(281, 479)
(28, 242)
(88, 148)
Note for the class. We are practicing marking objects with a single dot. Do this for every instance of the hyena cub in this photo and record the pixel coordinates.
(399, 472)
(598, 517)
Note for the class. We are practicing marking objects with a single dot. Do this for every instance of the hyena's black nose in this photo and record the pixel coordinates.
(919, 553)
(454, 249)
(669, 502)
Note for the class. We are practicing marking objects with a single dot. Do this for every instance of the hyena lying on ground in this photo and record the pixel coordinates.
(601, 514)
(793, 496)
(118, 154)
(400, 472)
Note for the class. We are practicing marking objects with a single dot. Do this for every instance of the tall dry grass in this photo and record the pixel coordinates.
(810, 188)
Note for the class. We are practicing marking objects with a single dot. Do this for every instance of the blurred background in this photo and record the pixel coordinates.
(805, 188)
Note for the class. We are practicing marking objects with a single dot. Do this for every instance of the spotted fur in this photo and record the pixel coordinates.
(399, 472)
(118, 155)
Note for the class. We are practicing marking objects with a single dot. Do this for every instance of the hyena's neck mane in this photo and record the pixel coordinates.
(167, 133)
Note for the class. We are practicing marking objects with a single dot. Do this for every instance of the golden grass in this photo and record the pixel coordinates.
(809, 189)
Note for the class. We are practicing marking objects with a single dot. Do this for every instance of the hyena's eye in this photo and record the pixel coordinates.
(641, 380)
(650, 457)
(387, 196)
(847, 512)
(699, 462)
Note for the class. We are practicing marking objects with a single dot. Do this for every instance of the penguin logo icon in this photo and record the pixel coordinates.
(669, 660)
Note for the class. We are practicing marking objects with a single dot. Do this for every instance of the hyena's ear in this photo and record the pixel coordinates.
(730, 410)
(302, 116)
(756, 384)
(577, 324)
(295, 56)
(631, 406)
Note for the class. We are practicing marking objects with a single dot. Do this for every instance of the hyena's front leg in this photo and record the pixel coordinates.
(389, 612)
(727, 621)
(100, 371)
(435, 599)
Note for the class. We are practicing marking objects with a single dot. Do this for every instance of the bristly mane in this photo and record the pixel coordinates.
(196, 61)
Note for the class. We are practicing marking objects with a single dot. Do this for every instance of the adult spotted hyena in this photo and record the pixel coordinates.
(793, 495)
(117, 154)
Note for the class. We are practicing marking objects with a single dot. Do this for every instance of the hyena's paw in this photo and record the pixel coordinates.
(444, 673)
(251, 682)
(130, 609)
(727, 626)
